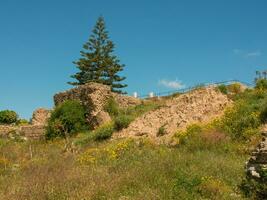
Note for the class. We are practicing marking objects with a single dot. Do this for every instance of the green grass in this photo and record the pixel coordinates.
(121, 169)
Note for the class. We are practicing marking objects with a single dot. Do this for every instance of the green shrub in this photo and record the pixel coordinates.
(234, 88)
(67, 119)
(261, 84)
(222, 88)
(254, 189)
(263, 114)
(112, 107)
(103, 132)
(185, 136)
(161, 131)
(8, 117)
(242, 120)
(122, 121)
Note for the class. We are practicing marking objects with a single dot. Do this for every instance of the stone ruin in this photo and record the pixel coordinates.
(258, 160)
(40, 116)
(200, 105)
(94, 96)
(34, 130)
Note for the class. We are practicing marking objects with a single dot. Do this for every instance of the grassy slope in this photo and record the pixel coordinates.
(203, 166)
(120, 170)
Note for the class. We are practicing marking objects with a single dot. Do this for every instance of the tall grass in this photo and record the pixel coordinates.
(122, 169)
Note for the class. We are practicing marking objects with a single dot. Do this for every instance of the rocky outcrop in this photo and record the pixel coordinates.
(94, 96)
(258, 161)
(200, 105)
(40, 116)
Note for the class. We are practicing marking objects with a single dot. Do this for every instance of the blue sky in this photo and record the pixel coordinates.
(164, 44)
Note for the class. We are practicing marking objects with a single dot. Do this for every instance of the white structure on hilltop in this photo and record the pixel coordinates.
(135, 94)
(151, 95)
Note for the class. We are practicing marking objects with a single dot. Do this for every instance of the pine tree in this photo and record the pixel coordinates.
(98, 64)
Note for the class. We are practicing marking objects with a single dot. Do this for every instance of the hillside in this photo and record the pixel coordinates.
(214, 129)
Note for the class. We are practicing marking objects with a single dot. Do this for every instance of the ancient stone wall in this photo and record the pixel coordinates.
(258, 161)
(5, 130)
(40, 116)
(94, 96)
(200, 105)
(32, 131)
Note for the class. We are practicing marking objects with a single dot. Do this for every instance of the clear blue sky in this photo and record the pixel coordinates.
(164, 44)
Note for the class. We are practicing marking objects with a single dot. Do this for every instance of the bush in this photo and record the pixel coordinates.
(8, 117)
(263, 114)
(234, 88)
(254, 189)
(261, 84)
(112, 107)
(242, 120)
(122, 121)
(161, 131)
(222, 88)
(104, 132)
(66, 120)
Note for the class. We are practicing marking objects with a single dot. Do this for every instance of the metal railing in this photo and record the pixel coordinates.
(188, 89)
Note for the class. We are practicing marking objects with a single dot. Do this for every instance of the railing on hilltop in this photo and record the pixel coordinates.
(188, 89)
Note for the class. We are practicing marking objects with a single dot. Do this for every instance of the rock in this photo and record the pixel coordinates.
(94, 96)
(201, 105)
(40, 116)
(258, 160)
(100, 118)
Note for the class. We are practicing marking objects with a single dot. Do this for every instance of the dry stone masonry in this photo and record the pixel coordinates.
(40, 116)
(199, 105)
(258, 161)
(35, 130)
(94, 96)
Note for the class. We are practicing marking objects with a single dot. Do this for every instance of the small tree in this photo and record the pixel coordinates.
(98, 64)
(8, 117)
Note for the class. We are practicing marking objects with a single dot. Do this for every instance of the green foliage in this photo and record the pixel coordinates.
(185, 136)
(112, 107)
(263, 114)
(254, 189)
(22, 122)
(98, 64)
(67, 119)
(8, 117)
(139, 110)
(222, 88)
(122, 121)
(103, 132)
(234, 88)
(161, 131)
(242, 120)
(141, 170)
(261, 84)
